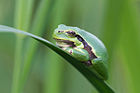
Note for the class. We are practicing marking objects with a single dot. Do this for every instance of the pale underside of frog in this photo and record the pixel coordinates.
(83, 46)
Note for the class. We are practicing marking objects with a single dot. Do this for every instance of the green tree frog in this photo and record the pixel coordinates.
(83, 46)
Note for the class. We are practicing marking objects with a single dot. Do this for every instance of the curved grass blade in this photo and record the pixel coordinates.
(99, 84)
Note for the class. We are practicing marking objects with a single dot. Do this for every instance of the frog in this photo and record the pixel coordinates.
(85, 47)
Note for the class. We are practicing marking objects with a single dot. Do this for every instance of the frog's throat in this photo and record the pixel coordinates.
(86, 47)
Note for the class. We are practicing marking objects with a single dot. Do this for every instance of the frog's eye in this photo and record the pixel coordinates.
(60, 31)
(71, 33)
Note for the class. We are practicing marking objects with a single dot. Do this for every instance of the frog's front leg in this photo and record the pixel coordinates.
(78, 53)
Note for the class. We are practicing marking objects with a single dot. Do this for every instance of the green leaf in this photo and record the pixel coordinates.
(99, 84)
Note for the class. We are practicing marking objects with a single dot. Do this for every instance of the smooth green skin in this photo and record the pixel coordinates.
(99, 66)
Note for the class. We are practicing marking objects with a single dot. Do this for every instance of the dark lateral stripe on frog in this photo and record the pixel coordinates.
(86, 47)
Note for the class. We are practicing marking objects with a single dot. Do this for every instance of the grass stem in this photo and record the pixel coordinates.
(37, 28)
(23, 12)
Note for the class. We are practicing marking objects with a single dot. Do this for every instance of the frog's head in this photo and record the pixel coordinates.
(65, 36)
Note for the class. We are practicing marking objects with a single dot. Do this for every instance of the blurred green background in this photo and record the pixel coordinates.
(115, 22)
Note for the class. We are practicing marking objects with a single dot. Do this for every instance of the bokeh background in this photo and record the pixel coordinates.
(115, 22)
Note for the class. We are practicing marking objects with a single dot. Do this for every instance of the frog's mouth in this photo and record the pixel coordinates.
(64, 43)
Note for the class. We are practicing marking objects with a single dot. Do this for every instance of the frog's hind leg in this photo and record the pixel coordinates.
(100, 68)
(78, 53)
